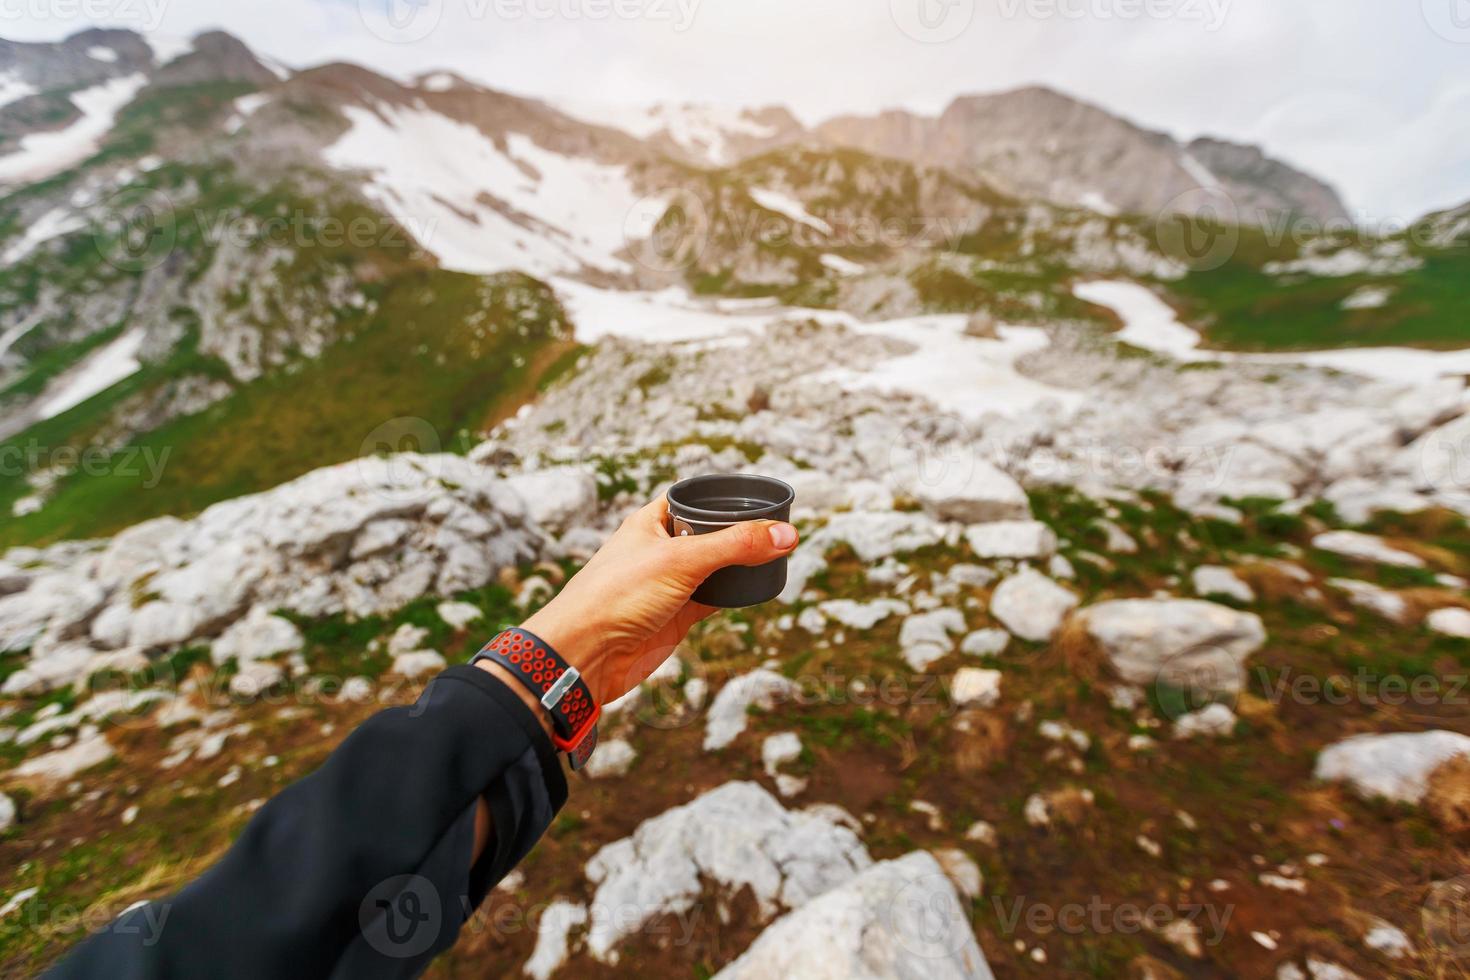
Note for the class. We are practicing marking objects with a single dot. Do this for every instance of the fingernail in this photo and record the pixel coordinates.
(783, 536)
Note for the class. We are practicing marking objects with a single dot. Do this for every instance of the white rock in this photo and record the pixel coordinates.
(1453, 621)
(418, 663)
(777, 750)
(812, 620)
(1374, 598)
(7, 813)
(985, 643)
(1057, 566)
(61, 667)
(1020, 540)
(1119, 541)
(255, 677)
(863, 615)
(871, 535)
(458, 615)
(1365, 547)
(971, 494)
(557, 499)
(961, 870)
(17, 900)
(1212, 721)
(929, 636)
(552, 933)
(982, 832)
(1395, 766)
(1036, 812)
(735, 836)
(975, 687)
(258, 636)
(90, 749)
(1211, 580)
(1187, 643)
(1031, 605)
(406, 639)
(730, 711)
(899, 920)
(1388, 939)
(357, 690)
(159, 624)
(970, 576)
(612, 758)
(1059, 731)
(1325, 970)
(1282, 883)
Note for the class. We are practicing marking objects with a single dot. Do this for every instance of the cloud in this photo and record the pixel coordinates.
(1361, 92)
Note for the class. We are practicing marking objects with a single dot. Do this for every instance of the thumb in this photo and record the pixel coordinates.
(748, 543)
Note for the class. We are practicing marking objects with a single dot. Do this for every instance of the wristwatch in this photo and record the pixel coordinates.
(556, 684)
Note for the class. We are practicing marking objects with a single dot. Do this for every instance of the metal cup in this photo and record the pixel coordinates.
(705, 504)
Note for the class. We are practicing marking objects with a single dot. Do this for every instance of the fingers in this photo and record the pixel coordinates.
(750, 543)
(653, 514)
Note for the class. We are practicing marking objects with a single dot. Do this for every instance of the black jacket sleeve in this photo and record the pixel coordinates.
(361, 869)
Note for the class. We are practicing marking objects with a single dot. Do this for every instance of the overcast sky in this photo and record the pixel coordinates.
(1374, 95)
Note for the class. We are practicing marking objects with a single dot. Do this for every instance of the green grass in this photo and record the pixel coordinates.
(1240, 307)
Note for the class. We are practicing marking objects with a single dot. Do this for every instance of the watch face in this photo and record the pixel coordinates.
(679, 529)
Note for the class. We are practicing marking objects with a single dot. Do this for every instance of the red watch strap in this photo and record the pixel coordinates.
(574, 712)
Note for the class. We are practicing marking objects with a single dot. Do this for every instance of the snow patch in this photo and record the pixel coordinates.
(1095, 201)
(966, 375)
(669, 315)
(99, 53)
(1368, 298)
(13, 89)
(701, 131)
(1150, 323)
(168, 48)
(1199, 173)
(439, 81)
(42, 155)
(105, 368)
(56, 222)
(790, 207)
(841, 266)
(441, 178)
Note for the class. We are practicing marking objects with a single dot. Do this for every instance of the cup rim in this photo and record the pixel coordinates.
(701, 515)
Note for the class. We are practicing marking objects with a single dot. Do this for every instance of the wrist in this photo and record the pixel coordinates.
(576, 642)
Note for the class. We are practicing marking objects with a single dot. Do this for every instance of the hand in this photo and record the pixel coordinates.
(624, 613)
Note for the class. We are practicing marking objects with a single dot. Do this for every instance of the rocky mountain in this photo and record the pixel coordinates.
(1039, 143)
